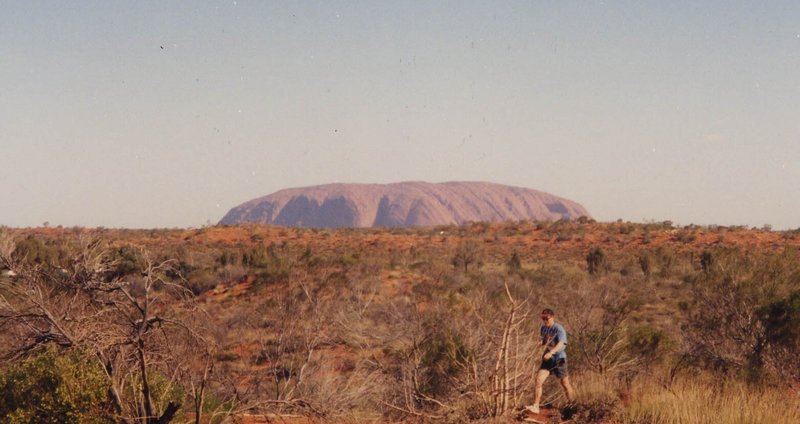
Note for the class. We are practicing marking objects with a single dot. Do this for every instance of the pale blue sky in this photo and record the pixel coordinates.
(167, 114)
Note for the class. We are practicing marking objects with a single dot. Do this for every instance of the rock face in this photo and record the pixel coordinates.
(407, 204)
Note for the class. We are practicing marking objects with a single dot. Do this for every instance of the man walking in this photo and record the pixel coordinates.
(554, 360)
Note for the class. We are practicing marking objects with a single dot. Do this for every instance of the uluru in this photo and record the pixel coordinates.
(405, 204)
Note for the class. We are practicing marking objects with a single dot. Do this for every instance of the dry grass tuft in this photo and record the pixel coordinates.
(704, 402)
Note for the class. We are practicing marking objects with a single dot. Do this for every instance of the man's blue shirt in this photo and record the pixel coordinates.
(551, 336)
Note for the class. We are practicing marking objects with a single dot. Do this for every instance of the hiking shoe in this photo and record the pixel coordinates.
(533, 409)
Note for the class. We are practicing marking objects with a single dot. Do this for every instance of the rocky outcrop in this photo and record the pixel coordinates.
(407, 204)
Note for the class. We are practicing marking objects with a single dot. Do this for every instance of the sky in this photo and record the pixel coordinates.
(155, 114)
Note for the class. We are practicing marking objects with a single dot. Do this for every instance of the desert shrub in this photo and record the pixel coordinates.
(596, 261)
(181, 269)
(308, 259)
(628, 268)
(36, 251)
(201, 281)
(444, 358)
(53, 387)
(706, 261)
(336, 282)
(274, 276)
(228, 273)
(648, 344)
(126, 260)
(514, 264)
(347, 260)
(563, 236)
(685, 236)
(229, 257)
(665, 257)
(600, 339)
(646, 264)
(743, 307)
(781, 320)
(273, 257)
(647, 238)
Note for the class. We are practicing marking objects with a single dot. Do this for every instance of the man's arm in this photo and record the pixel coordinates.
(550, 353)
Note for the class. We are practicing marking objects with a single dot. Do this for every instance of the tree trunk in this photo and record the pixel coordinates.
(147, 400)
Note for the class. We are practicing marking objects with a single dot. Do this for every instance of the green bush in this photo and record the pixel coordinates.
(665, 257)
(646, 264)
(36, 251)
(596, 261)
(747, 312)
(201, 281)
(781, 320)
(444, 358)
(53, 387)
(127, 261)
(647, 343)
(514, 264)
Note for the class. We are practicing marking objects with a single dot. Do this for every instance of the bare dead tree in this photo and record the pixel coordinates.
(488, 365)
(127, 325)
(506, 368)
(466, 253)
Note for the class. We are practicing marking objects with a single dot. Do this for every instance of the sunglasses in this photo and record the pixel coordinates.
(546, 317)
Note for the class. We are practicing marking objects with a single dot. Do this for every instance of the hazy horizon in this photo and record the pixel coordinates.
(160, 115)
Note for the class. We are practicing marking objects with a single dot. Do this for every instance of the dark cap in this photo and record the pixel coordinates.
(548, 311)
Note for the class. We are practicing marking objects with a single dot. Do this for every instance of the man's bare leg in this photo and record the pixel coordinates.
(541, 376)
(568, 389)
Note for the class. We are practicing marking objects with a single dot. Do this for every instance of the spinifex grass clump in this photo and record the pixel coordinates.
(711, 402)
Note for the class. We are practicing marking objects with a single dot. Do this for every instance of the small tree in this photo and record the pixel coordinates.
(646, 264)
(467, 253)
(781, 321)
(746, 313)
(514, 263)
(706, 261)
(596, 261)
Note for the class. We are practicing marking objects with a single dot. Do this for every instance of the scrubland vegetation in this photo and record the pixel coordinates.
(240, 324)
